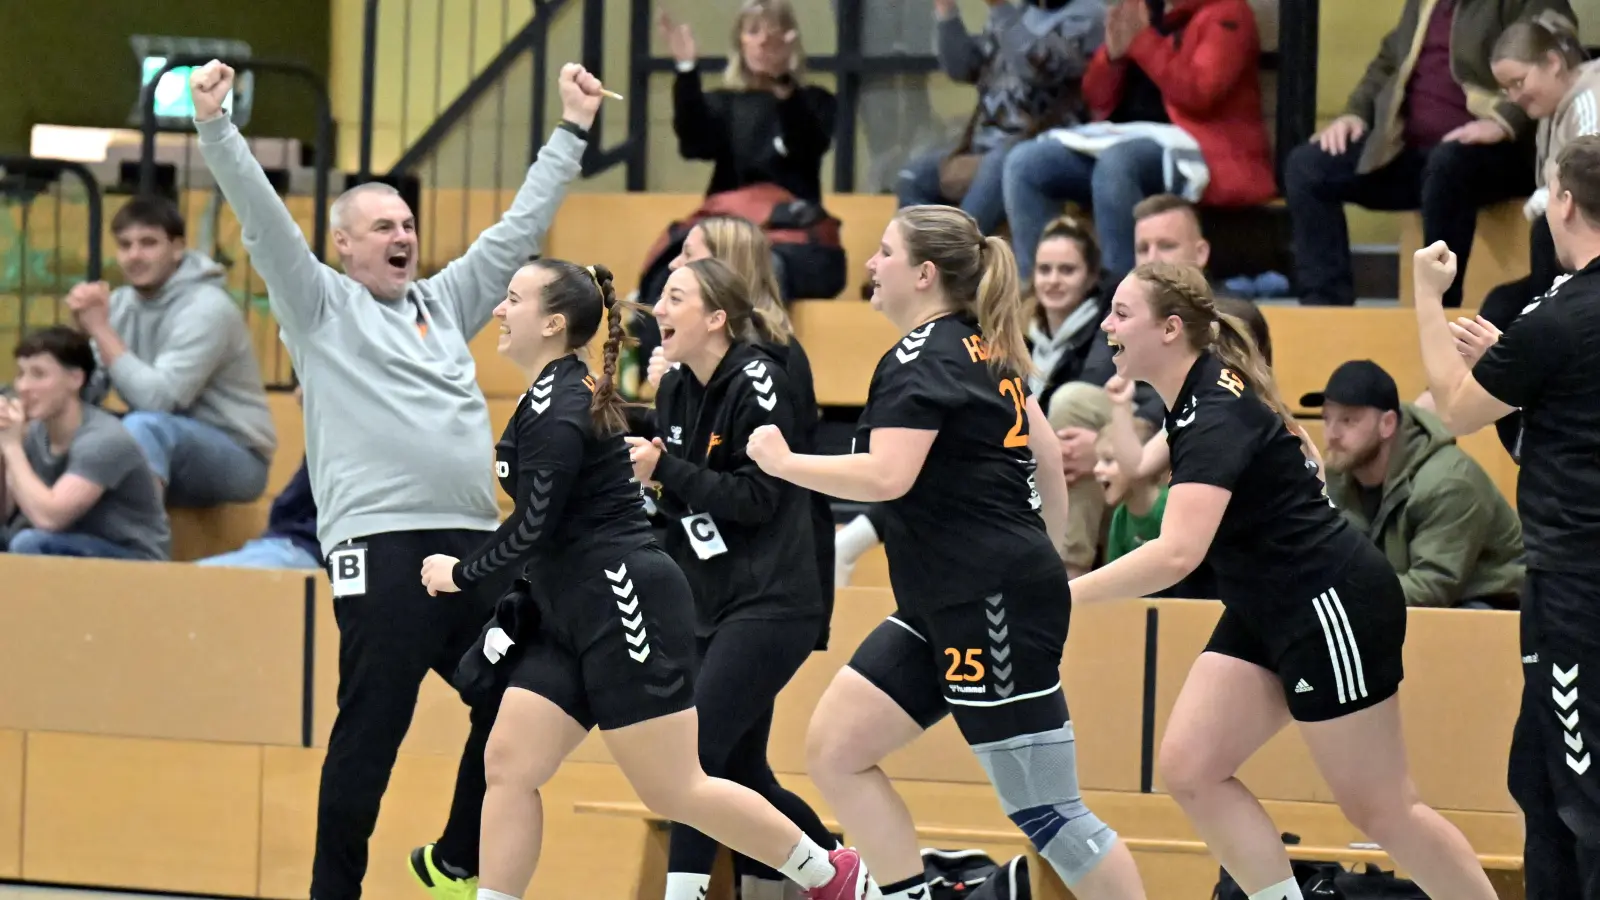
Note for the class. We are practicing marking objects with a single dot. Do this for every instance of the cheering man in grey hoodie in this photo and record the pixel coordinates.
(401, 455)
(176, 348)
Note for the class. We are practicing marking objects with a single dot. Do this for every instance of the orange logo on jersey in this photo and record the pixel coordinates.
(715, 440)
(588, 382)
(1233, 383)
(976, 348)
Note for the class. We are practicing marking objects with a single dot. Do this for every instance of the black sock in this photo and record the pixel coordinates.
(455, 872)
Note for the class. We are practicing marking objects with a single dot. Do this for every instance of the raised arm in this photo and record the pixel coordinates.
(472, 285)
(297, 283)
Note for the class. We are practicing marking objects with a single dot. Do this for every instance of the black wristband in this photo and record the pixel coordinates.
(577, 130)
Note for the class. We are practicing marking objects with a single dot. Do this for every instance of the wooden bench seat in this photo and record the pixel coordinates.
(1499, 251)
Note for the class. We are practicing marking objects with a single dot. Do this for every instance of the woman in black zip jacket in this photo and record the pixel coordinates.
(743, 538)
(743, 247)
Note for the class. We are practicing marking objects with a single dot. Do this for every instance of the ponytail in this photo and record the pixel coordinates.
(608, 408)
(1001, 315)
(1236, 348)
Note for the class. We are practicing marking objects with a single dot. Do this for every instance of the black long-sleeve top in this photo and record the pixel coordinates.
(752, 137)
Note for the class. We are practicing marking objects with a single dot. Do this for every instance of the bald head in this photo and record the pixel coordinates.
(375, 235)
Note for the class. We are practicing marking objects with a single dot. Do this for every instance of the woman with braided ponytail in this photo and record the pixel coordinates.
(1314, 618)
(600, 631)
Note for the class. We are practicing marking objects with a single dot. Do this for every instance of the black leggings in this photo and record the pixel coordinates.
(743, 666)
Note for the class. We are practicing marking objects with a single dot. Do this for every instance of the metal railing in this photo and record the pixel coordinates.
(35, 274)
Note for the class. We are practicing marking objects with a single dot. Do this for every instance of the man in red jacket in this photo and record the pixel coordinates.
(1426, 128)
(1200, 71)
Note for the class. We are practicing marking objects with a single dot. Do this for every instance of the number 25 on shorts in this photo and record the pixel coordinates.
(973, 668)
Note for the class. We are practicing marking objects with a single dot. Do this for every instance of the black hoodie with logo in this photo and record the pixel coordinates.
(743, 538)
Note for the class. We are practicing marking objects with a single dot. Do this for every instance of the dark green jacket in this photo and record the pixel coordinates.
(1380, 96)
(1442, 523)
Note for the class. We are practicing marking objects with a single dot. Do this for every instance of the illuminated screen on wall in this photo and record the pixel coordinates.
(174, 106)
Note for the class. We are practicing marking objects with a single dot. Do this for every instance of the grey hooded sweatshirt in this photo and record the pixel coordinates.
(190, 353)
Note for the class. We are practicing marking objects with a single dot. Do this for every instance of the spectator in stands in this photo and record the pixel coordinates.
(765, 132)
(1166, 228)
(1067, 304)
(1028, 64)
(1137, 505)
(1542, 66)
(1426, 128)
(1186, 100)
(1397, 475)
(175, 346)
(290, 541)
(71, 470)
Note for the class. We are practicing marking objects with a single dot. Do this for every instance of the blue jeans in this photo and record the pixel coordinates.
(34, 542)
(919, 184)
(267, 552)
(1042, 174)
(200, 464)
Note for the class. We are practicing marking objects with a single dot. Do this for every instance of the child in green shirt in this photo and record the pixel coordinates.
(1136, 504)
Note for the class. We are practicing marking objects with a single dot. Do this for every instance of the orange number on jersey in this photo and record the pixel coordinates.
(1233, 383)
(1012, 387)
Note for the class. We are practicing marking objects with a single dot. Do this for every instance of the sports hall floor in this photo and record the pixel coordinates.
(29, 892)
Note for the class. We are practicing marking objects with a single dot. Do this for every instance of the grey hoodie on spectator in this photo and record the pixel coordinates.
(190, 353)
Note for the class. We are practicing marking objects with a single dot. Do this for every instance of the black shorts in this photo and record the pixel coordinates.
(994, 661)
(1346, 636)
(617, 647)
(1552, 772)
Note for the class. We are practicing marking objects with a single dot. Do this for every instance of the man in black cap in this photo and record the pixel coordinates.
(1397, 474)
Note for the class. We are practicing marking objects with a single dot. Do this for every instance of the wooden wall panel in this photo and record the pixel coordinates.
(180, 816)
(152, 649)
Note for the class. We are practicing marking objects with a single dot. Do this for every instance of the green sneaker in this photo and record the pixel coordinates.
(437, 882)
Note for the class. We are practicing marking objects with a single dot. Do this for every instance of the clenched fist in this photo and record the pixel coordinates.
(209, 86)
(1433, 269)
(580, 95)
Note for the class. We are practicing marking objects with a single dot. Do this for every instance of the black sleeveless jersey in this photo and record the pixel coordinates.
(577, 501)
(1280, 530)
(971, 521)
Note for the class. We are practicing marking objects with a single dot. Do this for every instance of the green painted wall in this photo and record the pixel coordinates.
(69, 62)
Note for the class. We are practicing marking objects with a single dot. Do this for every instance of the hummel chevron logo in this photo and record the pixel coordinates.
(1566, 700)
(911, 345)
(1000, 636)
(539, 394)
(762, 382)
(1574, 741)
(641, 654)
(634, 638)
(623, 590)
(1569, 722)
(996, 616)
(633, 623)
(1565, 679)
(1578, 765)
(619, 574)
(633, 630)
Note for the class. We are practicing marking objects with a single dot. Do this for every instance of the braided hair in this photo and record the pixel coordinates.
(583, 294)
(1182, 291)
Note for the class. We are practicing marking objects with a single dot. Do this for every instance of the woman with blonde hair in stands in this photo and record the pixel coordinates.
(1314, 619)
(955, 447)
(1541, 64)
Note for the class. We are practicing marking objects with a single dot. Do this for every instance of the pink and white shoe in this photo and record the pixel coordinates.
(850, 880)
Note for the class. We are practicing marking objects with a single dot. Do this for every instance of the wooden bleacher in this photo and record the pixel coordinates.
(1499, 251)
(183, 752)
